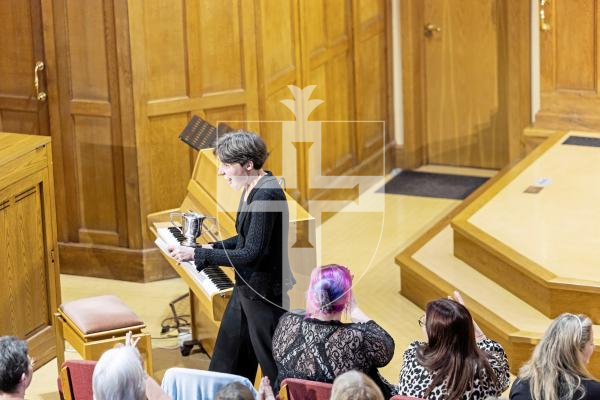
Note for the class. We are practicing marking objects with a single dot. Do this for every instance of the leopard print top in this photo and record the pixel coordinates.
(415, 379)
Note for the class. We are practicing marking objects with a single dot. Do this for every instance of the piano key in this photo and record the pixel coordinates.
(211, 280)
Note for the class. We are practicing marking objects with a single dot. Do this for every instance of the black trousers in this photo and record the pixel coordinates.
(245, 338)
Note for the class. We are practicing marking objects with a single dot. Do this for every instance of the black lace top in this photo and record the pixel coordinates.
(308, 348)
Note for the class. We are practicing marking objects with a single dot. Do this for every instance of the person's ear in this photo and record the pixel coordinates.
(25, 379)
(249, 165)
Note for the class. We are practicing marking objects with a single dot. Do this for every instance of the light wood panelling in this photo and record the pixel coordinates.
(278, 61)
(30, 290)
(93, 149)
(464, 120)
(465, 87)
(133, 73)
(181, 67)
(327, 63)
(219, 47)
(569, 63)
(92, 159)
(371, 75)
(22, 46)
(161, 143)
(165, 49)
(87, 50)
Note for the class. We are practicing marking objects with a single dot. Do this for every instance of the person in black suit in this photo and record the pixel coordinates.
(259, 255)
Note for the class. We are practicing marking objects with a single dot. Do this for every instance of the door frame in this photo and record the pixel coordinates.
(53, 104)
(516, 47)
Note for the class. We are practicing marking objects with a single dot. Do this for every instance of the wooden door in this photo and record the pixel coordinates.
(465, 116)
(22, 46)
(569, 65)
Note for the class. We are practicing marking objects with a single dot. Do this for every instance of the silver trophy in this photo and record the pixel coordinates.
(191, 226)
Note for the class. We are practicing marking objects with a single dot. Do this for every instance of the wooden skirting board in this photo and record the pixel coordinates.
(510, 305)
(112, 262)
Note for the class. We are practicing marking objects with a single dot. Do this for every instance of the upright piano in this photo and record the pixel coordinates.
(211, 289)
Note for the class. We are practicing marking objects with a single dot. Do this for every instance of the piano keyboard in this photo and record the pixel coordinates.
(212, 279)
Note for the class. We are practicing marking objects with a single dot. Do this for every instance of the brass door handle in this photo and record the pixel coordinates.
(430, 29)
(40, 96)
(544, 26)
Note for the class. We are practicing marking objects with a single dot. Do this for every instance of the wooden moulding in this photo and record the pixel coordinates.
(550, 294)
(114, 262)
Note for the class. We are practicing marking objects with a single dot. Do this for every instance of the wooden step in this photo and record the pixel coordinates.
(544, 247)
(430, 271)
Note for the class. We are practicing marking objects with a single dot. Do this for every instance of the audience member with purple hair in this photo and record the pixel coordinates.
(316, 345)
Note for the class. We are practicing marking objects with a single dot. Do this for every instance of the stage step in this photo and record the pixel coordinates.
(535, 230)
(432, 271)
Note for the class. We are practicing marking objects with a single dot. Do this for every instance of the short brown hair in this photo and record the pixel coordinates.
(240, 147)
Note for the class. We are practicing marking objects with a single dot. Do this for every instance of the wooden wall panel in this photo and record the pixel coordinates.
(575, 22)
(371, 77)
(157, 63)
(167, 167)
(87, 50)
(328, 64)
(94, 157)
(16, 43)
(569, 67)
(234, 116)
(278, 58)
(19, 121)
(21, 46)
(164, 43)
(93, 202)
(278, 42)
(220, 66)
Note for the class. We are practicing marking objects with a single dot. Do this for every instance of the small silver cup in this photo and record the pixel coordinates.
(191, 226)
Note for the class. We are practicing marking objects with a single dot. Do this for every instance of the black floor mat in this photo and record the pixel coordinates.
(427, 184)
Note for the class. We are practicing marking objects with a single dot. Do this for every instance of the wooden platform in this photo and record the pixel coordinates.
(514, 286)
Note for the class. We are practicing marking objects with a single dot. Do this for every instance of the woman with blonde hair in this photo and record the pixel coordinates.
(557, 369)
(354, 385)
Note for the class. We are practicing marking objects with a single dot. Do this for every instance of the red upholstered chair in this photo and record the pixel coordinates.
(300, 389)
(398, 397)
(75, 381)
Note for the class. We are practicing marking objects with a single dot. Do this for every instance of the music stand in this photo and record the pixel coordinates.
(199, 134)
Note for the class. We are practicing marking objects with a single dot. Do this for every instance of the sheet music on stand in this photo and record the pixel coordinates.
(199, 134)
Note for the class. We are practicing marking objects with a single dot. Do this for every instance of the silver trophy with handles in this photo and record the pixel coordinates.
(190, 226)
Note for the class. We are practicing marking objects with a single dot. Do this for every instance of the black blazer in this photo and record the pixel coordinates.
(259, 250)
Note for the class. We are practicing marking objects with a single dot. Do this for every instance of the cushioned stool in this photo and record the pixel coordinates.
(95, 324)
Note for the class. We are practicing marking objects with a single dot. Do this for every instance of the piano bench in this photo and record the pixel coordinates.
(93, 325)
